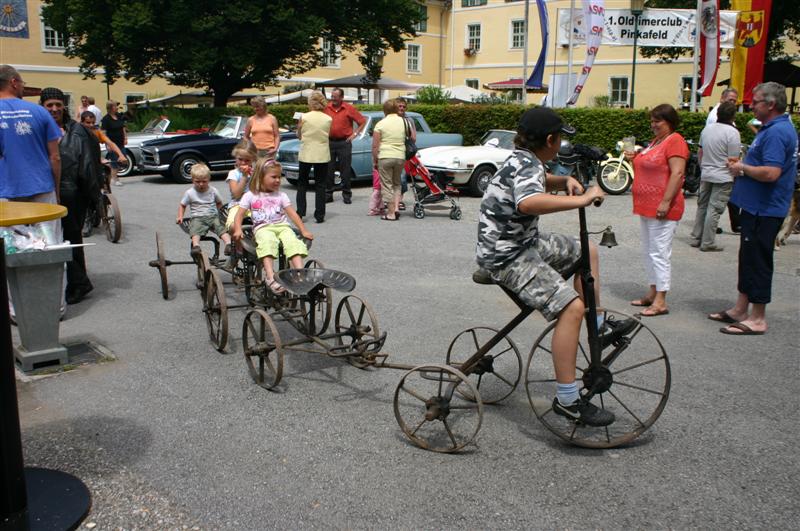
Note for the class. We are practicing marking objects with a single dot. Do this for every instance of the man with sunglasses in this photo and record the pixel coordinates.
(763, 190)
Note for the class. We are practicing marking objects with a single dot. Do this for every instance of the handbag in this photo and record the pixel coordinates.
(411, 146)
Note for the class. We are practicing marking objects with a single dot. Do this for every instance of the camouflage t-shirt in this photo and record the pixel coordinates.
(503, 231)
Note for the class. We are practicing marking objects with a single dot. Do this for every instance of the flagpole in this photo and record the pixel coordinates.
(571, 35)
(525, 57)
(696, 60)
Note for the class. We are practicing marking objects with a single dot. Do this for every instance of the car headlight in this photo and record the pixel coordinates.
(156, 157)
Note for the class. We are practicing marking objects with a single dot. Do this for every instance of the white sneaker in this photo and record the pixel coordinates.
(118, 183)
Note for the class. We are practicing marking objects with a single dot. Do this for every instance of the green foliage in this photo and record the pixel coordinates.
(225, 46)
(601, 100)
(431, 94)
(493, 99)
(601, 127)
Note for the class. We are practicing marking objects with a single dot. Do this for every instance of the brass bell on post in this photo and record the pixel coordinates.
(609, 239)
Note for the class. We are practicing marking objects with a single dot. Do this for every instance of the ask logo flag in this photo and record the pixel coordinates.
(594, 14)
(750, 46)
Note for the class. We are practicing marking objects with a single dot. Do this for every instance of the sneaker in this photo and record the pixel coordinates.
(711, 248)
(613, 330)
(118, 183)
(582, 412)
(694, 243)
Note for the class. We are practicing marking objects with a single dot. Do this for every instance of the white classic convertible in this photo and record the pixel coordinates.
(470, 166)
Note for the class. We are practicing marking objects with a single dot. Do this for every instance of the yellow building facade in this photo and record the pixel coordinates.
(461, 42)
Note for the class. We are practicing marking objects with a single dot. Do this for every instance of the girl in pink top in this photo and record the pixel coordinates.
(657, 198)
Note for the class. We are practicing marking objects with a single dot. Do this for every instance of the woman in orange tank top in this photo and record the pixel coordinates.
(262, 130)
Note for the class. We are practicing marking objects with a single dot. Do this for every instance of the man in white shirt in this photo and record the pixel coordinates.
(729, 94)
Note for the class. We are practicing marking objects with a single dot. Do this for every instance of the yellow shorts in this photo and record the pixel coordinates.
(268, 238)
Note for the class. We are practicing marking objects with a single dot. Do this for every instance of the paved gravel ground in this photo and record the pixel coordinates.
(173, 435)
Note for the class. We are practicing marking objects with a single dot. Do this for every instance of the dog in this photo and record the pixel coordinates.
(790, 223)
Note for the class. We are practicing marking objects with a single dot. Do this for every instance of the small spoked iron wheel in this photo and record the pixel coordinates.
(323, 309)
(216, 310)
(431, 410)
(632, 382)
(497, 373)
(112, 219)
(356, 323)
(263, 350)
(201, 261)
(161, 265)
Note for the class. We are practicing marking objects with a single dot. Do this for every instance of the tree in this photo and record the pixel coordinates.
(784, 21)
(225, 46)
(433, 95)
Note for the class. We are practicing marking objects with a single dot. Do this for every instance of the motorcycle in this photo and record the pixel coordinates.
(616, 173)
(581, 161)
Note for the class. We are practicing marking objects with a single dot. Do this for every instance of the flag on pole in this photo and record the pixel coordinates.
(709, 44)
(594, 16)
(535, 81)
(750, 46)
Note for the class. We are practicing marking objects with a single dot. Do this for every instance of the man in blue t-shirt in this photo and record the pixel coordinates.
(763, 190)
(30, 165)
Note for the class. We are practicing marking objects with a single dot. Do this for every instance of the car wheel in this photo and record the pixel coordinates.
(480, 179)
(182, 168)
(127, 169)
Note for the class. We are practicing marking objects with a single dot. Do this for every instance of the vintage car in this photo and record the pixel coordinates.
(155, 128)
(470, 166)
(174, 157)
(362, 147)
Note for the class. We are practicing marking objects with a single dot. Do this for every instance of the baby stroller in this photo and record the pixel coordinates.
(428, 190)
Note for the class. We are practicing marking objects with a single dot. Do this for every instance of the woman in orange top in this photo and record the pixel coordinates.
(262, 130)
(658, 200)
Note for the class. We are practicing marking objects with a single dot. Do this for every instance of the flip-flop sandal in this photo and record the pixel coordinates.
(276, 288)
(386, 218)
(722, 317)
(654, 313)
(641, 302)
(744, 330)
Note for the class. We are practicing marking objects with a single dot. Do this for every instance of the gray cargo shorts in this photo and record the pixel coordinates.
(202, 225)
(535, 275)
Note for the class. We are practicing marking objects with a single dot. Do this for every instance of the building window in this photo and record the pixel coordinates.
(412, 57)
(330, 53)
(517, 34)
(474, 37)
(422, 25)
(618, 90)
(53, 40)
(472, 3)
(473, 83)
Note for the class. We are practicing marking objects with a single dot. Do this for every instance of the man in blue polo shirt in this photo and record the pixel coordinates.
(763, 190)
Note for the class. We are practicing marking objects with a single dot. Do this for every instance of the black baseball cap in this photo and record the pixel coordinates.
(542, 121)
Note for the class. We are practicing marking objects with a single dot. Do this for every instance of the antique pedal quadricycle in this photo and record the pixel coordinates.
(440, 407)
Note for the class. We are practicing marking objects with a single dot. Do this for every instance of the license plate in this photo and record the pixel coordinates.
(290, 174)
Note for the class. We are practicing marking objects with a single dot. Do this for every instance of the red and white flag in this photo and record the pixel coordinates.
(594, 18)
(708, 24)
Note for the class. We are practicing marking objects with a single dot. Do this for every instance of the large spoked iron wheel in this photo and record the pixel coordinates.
(323, 309)
(356, 323)
(633, 382)
(161, 265)
(112, 219)
(615, 178)
(496, 374)
(263, 350)
(431, 411)
(216, 311)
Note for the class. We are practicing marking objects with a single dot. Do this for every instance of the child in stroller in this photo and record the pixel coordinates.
(429, 190)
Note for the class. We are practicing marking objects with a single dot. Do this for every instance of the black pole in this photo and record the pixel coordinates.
(13, 497)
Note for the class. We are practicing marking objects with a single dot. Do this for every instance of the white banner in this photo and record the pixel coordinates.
(593, 14)
(657, 27)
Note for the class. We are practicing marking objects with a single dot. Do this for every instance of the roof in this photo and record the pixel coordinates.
(360, 81)
(513, 83)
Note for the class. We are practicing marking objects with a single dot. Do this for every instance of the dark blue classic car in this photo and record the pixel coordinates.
(174, 157)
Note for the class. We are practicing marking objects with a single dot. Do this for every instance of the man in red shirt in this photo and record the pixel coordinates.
(341, 137)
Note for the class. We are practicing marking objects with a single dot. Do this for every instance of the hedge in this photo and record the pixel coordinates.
(596, 126)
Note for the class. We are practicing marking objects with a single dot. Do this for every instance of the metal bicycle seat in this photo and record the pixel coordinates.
(303, 281)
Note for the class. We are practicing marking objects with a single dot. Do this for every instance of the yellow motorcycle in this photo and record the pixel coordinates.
(616, 173)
